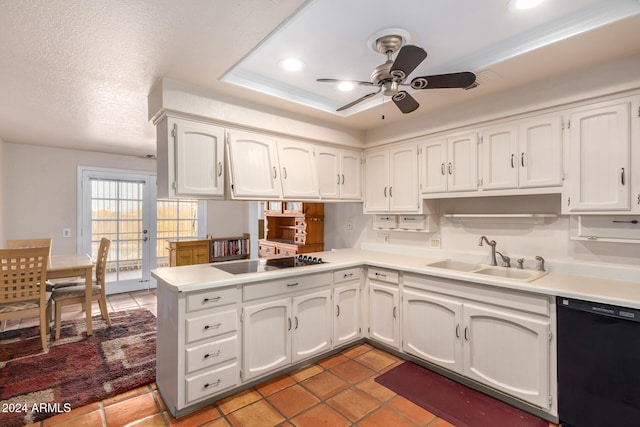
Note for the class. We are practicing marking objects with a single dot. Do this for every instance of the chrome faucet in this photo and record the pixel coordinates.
(540, 263)
(520, 263)
(506, 261)
(491, 243)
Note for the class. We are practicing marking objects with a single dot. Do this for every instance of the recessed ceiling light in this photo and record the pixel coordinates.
(346, 86)
(292, 64)
(523, 4)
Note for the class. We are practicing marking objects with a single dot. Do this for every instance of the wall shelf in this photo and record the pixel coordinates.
(505, 218)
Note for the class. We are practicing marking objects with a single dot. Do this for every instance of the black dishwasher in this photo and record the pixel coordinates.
(598, 364)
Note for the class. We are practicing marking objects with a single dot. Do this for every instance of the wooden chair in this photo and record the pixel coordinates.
(23, 276)
(30, 243)
(74, 292)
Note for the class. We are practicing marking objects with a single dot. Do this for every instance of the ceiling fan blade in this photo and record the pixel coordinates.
(405, 102)
(409, 57)
(340, 81)
(357, 101)
(443, 81)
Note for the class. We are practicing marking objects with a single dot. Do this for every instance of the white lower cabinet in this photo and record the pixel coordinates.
(197, 344)
(384, 304)
(500, 339)
(291, 328)
(346, 306)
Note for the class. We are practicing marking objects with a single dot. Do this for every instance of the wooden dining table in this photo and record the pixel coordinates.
(65, 266)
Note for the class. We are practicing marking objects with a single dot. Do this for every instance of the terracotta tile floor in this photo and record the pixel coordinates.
(337, 391)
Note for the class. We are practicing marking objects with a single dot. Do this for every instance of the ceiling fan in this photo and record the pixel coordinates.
(391, 75)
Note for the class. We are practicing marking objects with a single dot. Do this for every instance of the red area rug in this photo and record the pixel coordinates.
(75, 370)
(452, 401)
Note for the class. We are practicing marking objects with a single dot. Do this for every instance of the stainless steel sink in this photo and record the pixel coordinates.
(450, 264)
(510, 273)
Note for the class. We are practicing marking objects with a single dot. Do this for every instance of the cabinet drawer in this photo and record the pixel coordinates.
(210, 383)
(385, 221)
(347, 275)
(412, 222)
(209, 299)
(211, 354)
(266, 250)
(282, 286)
(211, 325)
(382, 275)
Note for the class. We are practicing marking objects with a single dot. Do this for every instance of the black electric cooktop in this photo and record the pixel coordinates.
(261, 265)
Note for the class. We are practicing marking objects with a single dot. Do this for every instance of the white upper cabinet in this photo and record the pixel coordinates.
(523, 154)
(190, 159)
(254, 168)
(391, 180)
(298, 170)
(600, 145)
(449, 163)
(339, 173)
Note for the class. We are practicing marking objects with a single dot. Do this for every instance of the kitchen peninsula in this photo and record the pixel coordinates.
(220, 332)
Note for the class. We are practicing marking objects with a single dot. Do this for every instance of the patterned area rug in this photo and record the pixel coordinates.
(452, 401)
(75, 370)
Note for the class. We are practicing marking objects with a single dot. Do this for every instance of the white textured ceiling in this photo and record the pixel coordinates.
(76, 73)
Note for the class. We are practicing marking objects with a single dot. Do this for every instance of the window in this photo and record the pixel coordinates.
(177, 219)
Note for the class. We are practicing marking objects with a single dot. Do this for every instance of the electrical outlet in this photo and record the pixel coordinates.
(66, 232)
(349, 226)
(386, 237)
(435, 243)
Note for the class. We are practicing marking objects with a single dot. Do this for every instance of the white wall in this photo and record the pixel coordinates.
(3, 180)
(40, 196)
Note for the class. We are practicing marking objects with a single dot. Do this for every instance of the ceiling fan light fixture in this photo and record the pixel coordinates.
(291, 64)
(523, 4)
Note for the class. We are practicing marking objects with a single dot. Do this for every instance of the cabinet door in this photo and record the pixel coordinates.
(433, 166)
(376, 195)
(311, 325)
(255, 172)
(329, 174)
(540, 156)
(199, 154)
(432, 328)
(600, 149)
(298, 170)
(462, 164)
(346, 318)
(508, 352)
(266, 337)
(350, 175)
(499, 158)
(383, 314)
(403, 179)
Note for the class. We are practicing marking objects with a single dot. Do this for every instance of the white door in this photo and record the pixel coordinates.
(499, 158)
(600, 151)
(266, 340)
(346, 318)
(509, 352)
(329, 174)
(376, 194)
(403, 179)
(119, 205)
(432, 328)
(199, 158)
(540, 156)
(350, 175)
(462, 162)
(255, 172)
(433, 166)
(311, 325)
(298, 170)
(383, 314)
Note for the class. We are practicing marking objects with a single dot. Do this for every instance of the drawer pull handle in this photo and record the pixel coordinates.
(289, 328)
(208, 355)
(292, 284)
(337, 310)
(296, 317)
(382, 276)
(458, 330)
(347, 275)
(215, 384)
(206, 300)
(216, 326)
(466, 333)
(395, 312)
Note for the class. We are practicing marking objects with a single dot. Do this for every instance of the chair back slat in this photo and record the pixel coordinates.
(23, 274)
(101, 261)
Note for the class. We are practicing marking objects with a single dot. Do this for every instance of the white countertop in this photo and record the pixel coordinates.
(206, 276)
